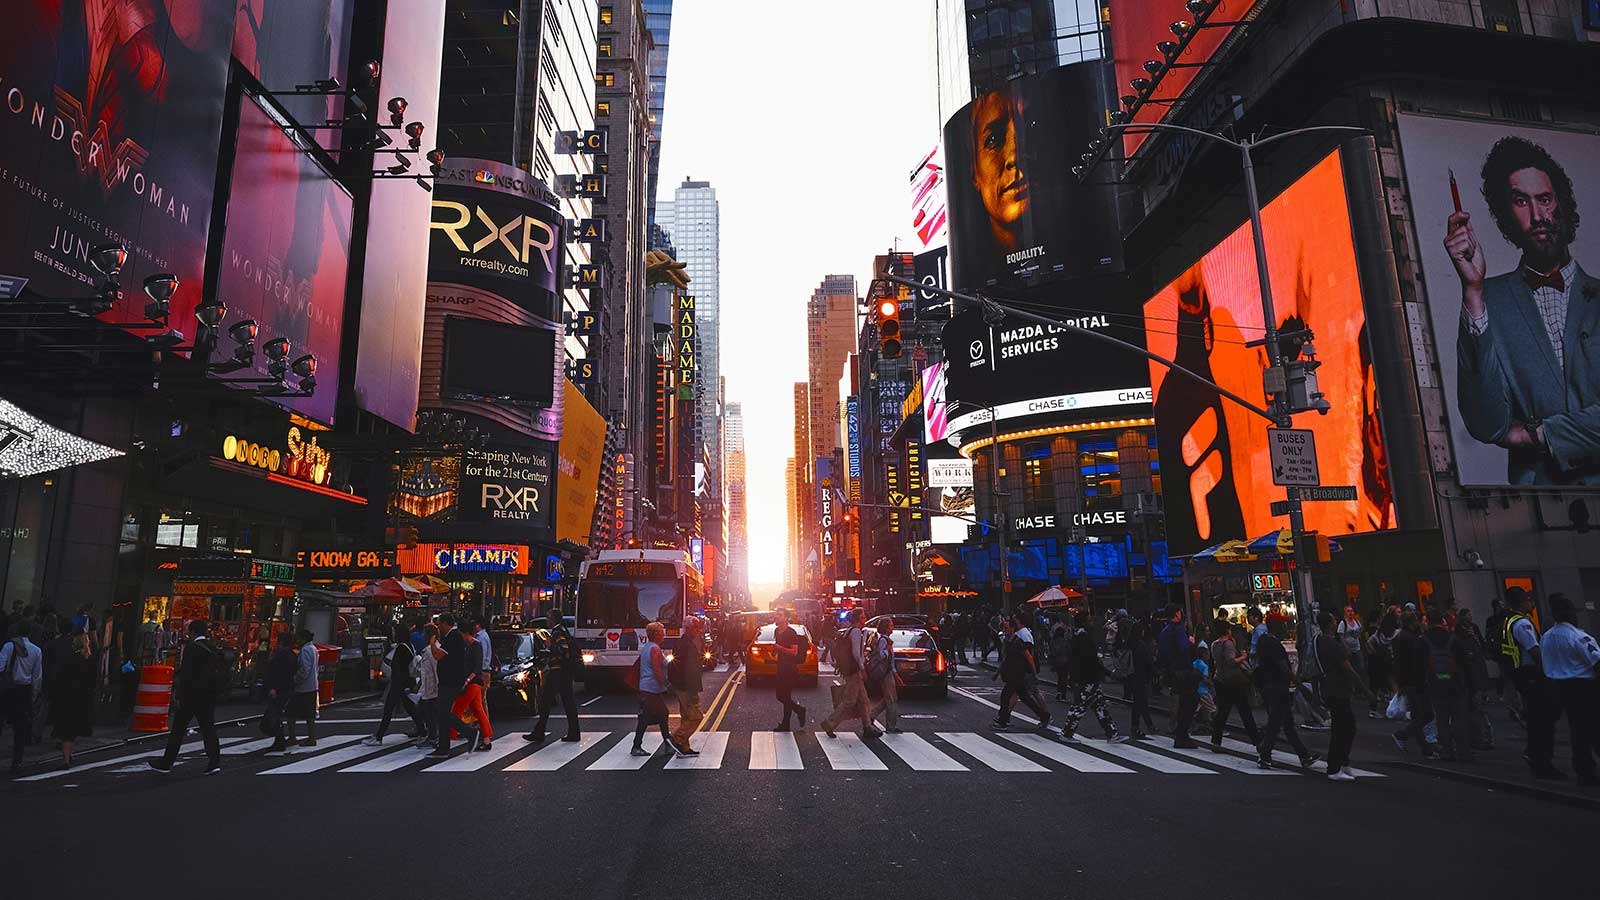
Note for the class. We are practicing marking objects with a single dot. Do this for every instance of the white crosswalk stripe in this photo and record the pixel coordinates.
(847, 753)
(1226, 761)
(332, 758)
(397, 759)
(190, 747)
(711, 744)
(1136, 753)
(472, 762)
(774, 750)
(620, 756)
(1283, 757)
(991, 754)
(558, 754)
(1056, 751)
(919, 754)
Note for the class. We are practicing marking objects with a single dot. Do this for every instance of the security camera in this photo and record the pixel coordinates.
(1474, 559)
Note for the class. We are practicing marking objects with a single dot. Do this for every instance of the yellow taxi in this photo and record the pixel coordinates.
(761, 656)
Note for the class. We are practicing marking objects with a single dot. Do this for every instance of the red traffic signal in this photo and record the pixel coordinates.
(889, 326)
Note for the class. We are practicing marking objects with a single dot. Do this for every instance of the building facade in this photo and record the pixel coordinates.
(738, 571)
(831, 334)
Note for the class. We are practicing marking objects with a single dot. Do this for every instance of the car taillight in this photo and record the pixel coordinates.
(938, 662)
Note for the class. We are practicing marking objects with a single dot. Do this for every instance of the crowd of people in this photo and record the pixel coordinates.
(52, 667)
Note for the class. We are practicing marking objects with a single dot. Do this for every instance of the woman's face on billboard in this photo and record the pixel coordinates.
(1000, 180)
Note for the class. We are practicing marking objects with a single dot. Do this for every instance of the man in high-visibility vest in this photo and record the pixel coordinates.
(1520, 644)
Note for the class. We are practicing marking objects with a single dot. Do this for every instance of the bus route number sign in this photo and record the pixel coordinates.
(632, 569)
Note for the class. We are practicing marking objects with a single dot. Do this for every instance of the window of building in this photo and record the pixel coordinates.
(603, 48)
(605, 79)
(606, 16)
(602, 108)
(1039, 492)
(1099, 475)
(177, 528)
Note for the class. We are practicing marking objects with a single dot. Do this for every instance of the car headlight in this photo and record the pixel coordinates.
(588, 658)
(520, 677)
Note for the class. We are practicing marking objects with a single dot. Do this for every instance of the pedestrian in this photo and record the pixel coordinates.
(280, 688)
(1060, 659)
(1258, 629)
(1520, 644)
(399, 688)
(850, 666)
(1175, 654)
(1019, 672)
(1231, 680)
(471, 705)
(303, 705)
(653, 687)
(791, 650)
(560, 666)
(428, 685)
(72, 697)
(1352, 631)
(1275, 678)
(1480, 731)
(196, 688)
(1141, 672)
(1411, 683)
(1207, 706)
(1448, 671)
(1571, 661)
(1341, 681)
(880, 672)
(22, 665)
(455, 668)
(1494, 629)
(1081, 676)
(687, 683)
(1380, 660)
(962, 625)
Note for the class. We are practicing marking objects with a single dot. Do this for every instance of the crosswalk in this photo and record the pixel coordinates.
(1016, 752)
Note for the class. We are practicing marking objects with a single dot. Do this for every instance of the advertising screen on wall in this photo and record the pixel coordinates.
(581, 454)
(497, 229)
(1214, 454)
(1018, 216)
(507, 487)
(498, 361)
(1496, 208)
(1136, 28)
(289, 42)
(109, 133)
(395, 280)
(928, 214)
(286, 253)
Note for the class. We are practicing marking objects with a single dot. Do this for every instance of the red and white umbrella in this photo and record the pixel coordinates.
(1054, 596)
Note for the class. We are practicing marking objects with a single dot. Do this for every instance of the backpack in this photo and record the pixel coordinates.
(416, 666)
(675, 675)
(881, 661)
(844, 658)
(216, 678)
(1441, 662)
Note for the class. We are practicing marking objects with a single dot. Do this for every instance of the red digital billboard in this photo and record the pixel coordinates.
(1136, 28)
(286, 253)
(1214, 455)
(109, 131)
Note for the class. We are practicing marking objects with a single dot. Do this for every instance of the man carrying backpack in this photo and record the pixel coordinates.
(202, 674)
(849, 664)
(1019, 671)
(683, 672)
(880, 673)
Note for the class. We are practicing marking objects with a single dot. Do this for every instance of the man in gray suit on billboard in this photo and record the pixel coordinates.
(1528, 346)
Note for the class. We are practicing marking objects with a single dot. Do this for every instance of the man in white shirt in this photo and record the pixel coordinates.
(1571, 661)
(24, 662)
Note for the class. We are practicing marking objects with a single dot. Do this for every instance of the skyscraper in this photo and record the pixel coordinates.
(801, 539)
(791, 562)
(738, 527)
(831, 327)
(979, 45)
(658, 18)
(691, 220)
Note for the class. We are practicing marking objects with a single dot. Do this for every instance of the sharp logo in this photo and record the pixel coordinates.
(534, 234)
(510, 503)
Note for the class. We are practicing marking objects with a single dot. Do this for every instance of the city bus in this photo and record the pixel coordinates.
(622, 591)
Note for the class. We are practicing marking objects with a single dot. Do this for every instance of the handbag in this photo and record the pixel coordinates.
(272, 717)
(1398, 707)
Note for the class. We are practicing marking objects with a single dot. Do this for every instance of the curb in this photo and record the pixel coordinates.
(125, 742)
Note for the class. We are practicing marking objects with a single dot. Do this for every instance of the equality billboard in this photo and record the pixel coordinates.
(109, 131)
(1018, 216)
(1516, 314)
(1136, 28)
(286, 253)
(1214, 454)
(394, 285)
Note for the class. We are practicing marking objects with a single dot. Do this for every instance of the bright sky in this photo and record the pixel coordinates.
(808, 124)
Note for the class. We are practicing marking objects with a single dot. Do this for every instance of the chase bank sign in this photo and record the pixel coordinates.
(476, 558)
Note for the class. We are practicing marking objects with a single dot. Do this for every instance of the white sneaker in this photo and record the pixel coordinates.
(373, 741)
(1341, 775)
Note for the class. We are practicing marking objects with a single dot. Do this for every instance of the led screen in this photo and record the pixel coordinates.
(496, 361)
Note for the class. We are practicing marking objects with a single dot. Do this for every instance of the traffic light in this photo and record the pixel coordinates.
(889, 325)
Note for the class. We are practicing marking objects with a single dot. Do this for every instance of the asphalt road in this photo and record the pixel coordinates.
(952, 810)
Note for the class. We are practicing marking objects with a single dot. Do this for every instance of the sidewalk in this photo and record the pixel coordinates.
(48, 751)
(1500, 768)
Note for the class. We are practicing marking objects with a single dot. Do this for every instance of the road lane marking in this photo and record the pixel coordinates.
(190, 747)
(726, 703)
(774, 750)
(1289, 759)
(1061, 753)
(591, 699)
(621, 758)
(239, 749)
(558, 754)
(1227, 761)
(398, 759)
(992, 705)
(472, 762)
(1135, 753)
(919, 754)
(847, 753)
(712, 746)
(331, 759)
(991, 754)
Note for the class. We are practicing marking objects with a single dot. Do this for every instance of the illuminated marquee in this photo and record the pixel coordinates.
(304, 459)
(684, 341)
(476, 558)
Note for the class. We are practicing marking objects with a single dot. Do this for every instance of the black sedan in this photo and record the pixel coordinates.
(918, 662)
(518, 667)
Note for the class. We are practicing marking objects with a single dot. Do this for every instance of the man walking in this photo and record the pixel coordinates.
(880, 672)
(790, 651)
(400, 656)
(1176, 655)
(1571, 661)
(451, 656)
(303, 705)
(1411, 678)
(1520, 643)
(1019, 672)
(851, 668)
(197, 683)
(1084, 672)
(280, 686)
(686, 662)
(1341, 681)
(557, 680)
(23, 663)
(1275, 678)
(1448, 672)
(1231, 680)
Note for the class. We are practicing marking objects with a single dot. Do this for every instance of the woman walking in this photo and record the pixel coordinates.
(653, 686)
(1142, 668)
(428, 685)
(400, 657)
(71, 688)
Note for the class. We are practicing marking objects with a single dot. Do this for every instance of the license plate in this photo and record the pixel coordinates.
(907, 665)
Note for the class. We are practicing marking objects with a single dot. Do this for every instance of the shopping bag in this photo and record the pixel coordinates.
(1398, 707)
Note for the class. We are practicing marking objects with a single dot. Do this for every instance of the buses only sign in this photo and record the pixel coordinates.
(1294, 456)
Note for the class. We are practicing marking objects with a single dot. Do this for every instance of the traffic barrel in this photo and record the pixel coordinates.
(154, 699)
(327, 671)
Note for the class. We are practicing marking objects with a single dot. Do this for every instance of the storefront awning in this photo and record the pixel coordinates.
(258, 489)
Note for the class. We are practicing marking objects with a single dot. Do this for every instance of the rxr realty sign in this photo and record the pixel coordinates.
(510, 486)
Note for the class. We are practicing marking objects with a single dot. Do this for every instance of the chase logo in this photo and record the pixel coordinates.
(483, 176)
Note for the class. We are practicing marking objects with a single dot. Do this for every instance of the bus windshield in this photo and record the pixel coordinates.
(622, 602)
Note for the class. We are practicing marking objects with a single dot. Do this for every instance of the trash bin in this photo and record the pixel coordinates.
(327, 671)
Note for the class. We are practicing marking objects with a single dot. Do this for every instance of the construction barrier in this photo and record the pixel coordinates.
(327, 671)
(154, 700)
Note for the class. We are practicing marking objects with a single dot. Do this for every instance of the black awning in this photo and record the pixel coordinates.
(242, 486)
